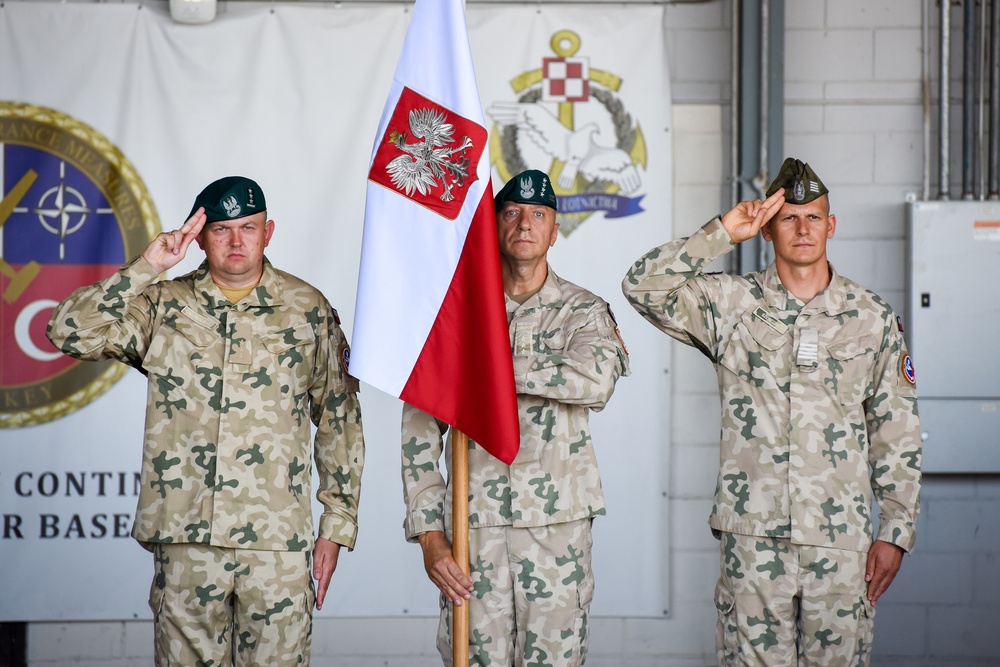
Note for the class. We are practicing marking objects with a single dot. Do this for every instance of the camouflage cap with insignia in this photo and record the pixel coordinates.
(228, 198)
(801, 183)
(528, 187)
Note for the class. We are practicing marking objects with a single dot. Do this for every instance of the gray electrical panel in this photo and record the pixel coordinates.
(952, 330)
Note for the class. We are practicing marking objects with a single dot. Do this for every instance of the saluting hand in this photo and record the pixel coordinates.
(744, 220)
(169, 248)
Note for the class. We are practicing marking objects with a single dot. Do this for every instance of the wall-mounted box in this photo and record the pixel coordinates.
(952, 330)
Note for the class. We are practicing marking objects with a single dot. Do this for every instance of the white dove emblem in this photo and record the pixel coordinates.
(425, 162)
(575, 148)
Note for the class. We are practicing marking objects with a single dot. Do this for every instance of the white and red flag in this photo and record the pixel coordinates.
(430, 323)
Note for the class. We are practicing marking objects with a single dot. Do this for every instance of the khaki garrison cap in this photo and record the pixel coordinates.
(801, 183)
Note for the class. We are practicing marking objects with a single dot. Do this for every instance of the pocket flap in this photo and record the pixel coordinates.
(725, 599)
(763, 330)
(286, 339)
(844, 350)
(194, 326)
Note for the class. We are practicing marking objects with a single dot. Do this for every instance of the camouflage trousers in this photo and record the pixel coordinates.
(215, 606)
(786, 604)
(532, 594)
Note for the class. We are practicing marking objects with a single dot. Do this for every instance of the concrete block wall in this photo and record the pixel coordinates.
(853, 110)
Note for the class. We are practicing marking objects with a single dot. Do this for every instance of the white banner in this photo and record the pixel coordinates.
(290, 95)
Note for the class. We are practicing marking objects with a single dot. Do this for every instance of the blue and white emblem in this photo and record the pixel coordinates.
(908, 371)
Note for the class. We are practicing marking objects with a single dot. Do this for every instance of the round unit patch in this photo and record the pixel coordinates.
(906, 366)
(72, 210)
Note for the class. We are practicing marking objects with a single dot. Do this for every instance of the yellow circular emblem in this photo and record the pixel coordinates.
(72, 210)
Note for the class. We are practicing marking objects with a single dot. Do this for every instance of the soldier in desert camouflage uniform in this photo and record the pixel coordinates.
(530, 536)
(241, 360)
(818, 413)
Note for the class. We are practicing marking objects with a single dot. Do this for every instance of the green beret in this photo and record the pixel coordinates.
(228, 198)
(801, 183)
(528, 187)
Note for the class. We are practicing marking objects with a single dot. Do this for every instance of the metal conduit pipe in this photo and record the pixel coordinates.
(732, 261)
(994, 97)
(762, 175)
(968, 99)
(765, 74)
(982, 64)
(925, 62)
(944, 73)
(734, 115)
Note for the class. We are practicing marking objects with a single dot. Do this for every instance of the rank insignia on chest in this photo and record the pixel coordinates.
(240, 343)
(807, 355)
(523, 335)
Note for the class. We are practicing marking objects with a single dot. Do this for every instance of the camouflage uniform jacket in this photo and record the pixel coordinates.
(567, 358)
(802, 449)
(231, 393)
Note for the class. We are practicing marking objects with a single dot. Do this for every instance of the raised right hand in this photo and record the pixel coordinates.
(169, 248)
(744, 220)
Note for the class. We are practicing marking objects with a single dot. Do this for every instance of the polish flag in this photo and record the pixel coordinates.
(430, 325)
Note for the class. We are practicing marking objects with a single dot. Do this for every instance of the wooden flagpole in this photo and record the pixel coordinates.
(460, 542)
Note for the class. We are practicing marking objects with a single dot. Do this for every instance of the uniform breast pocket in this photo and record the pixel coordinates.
(291, 353)
(849, 365)
(561, 332)
(181, 357)
(552, 341)
(753, 352)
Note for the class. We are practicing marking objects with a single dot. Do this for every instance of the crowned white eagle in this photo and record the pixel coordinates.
(424, 163)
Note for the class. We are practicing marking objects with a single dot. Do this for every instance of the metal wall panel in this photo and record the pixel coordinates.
(953, 331)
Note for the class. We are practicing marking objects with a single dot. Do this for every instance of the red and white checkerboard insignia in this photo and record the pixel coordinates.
(565, 79)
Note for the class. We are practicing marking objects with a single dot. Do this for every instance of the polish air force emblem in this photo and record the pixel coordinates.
(570, 113)
(72, 210)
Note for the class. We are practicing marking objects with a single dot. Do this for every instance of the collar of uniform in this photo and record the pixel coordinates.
(776, 295)
(549, 293)
(834, 297)
(832, 300)
(271, 294)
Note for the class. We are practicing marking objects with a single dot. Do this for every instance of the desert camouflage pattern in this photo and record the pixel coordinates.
(533, 588)
(786, 604)
(567, 358)
(232, 393)
(530, 521)
(201, 594)
(798, 441)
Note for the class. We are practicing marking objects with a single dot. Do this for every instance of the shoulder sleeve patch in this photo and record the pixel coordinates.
(617, 332)
(353, 385)
(906, 369)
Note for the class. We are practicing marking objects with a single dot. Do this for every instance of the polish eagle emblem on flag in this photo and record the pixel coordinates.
(421, 156)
